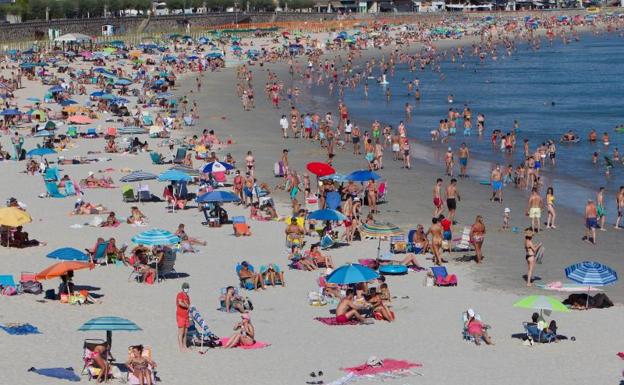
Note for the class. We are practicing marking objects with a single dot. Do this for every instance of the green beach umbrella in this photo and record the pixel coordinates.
(541, 302)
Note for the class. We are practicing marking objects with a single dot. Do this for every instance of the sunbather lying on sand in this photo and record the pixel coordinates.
(111, 221)
(85, 208)
(93, 182)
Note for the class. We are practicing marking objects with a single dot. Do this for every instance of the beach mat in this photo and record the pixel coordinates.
(566, 287)
(60, 373)
(20, 329)
(331, 321)
(257, 345)
(389, 365)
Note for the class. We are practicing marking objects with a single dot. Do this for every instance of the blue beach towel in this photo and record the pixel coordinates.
(60, 373)
(20, 330)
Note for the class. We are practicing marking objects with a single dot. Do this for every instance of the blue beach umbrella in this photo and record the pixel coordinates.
(33, 99)
(43, 133)
(138, 176)
(218, 197)
(174, 176)
(156, 237)
(68, 102)
(337, 177)
(109, 324)
(40, 151)
(56, 89)
(327, 215)
(363, 176)
(591, 273)
(123, 82)
(352, 273)
(217, 167)
(68, 254)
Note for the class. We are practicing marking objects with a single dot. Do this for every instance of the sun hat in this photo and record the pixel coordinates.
(471, 313)
(507, 210)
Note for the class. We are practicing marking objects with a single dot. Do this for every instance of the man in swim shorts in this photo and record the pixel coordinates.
(452, 196)
(497, 184)
(591, 221)
(347, 310)
(437, 198)
(464, 153)
(534, 209)
(600, 208)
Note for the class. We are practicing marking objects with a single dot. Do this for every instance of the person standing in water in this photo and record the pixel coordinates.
(464, 154)
(600, 206)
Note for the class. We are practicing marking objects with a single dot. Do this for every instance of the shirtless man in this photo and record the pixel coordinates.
(284, 161)
(591, 221)
(464, 154)
(452, 196)
(497, 184)
(436, 240)
(601, 208)
(437, 198)
(347, 310)
(619, 204)
(449, 161)
(534, 209)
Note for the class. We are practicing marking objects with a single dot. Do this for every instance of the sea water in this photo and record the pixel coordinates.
(577, 86)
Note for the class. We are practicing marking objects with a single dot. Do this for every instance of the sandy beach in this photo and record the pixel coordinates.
(428, 325)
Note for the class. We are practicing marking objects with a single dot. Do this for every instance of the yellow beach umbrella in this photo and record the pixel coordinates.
(13, 217)
(135, 53)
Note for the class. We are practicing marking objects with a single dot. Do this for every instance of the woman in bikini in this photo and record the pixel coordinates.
(244, 333)
(477, 236)
(140, 366)
(530, 254)
(371, 191)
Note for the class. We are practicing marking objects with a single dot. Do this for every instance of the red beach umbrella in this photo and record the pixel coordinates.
(320, 169)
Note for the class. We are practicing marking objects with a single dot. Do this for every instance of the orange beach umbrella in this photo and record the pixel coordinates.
(62, 268)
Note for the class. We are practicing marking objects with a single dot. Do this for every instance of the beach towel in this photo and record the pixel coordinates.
(60, 373)
(570, 287)
(388, 365)
(257, 345)
(331, 321)
(621, 355)
(20, 329)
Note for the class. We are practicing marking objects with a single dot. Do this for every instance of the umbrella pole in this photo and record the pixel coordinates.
(379, 248)
(587, 300)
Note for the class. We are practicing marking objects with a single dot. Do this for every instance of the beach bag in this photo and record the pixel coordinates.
(32, 287)
(9, 291)
(277, 169)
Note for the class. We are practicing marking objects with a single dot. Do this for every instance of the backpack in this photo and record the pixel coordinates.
(32, 287)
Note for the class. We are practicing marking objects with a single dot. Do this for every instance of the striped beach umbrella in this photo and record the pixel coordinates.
(186, 169)
(591, 273)
(109, 324)
(380, 231)
(156, 237)
(138, 176)
(217, 167)
(68, 254)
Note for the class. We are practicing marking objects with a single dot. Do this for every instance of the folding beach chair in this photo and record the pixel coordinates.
(243, 284)
(276, 268)
(180, 155)
(91, 133)
(327, 242)
(534, 334)
(53, 190)
(7, 281)
(198, 333)
(26, 276)
(382, 190)
(168, 266)
(100, 252)
(442, 278)
(70, 189)
(156, 158)
(398, 244)
(463, 243)
(144, 193)
(127, 193)
(72, 132)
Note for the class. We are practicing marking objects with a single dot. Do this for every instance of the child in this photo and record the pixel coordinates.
(385, 292)
(140, 366)
(506, 218)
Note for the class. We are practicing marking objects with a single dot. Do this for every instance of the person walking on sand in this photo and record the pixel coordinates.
(619, 204)
(284, 126)
(591, 221)
(436, 240)
(183, 304)
(534, 209)
(452, 196)
(497, 184)
(449, 161)
(531, 250)
(437, 198)
(464, 153)
(602, 218)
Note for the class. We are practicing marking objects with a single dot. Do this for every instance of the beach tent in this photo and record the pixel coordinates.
(73, 38)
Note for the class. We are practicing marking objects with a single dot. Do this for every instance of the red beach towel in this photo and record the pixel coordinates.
(331, 321)
(389, 365)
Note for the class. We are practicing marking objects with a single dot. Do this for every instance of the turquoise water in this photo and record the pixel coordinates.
(584, 79)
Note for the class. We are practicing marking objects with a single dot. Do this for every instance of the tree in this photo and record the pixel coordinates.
(262, 5)
(175, 4)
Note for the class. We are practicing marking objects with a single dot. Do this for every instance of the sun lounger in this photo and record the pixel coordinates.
(442, 277)
(53, 190)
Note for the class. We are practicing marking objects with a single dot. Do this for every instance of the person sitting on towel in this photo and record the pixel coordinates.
(348, 310)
